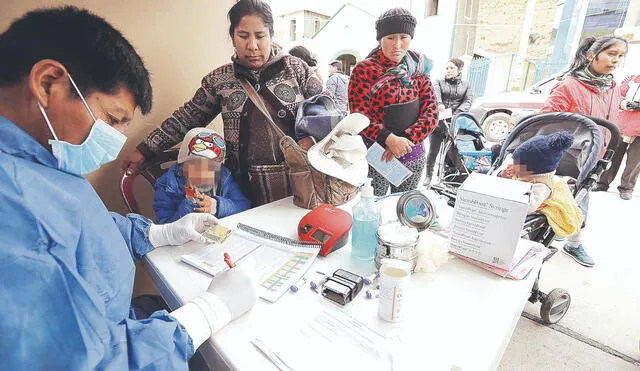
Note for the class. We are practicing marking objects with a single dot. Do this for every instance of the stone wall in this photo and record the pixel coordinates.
(542, 30)
(500, 25)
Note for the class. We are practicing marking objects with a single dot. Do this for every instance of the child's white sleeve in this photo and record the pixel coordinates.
(539, 193)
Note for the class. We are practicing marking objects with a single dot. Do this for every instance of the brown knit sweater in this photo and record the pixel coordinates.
(282, 83)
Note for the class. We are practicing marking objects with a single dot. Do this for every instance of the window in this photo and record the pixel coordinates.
(431, 8)
(316, 25)
(292, 30)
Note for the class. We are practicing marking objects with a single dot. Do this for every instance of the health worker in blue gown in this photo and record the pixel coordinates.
(69, 85)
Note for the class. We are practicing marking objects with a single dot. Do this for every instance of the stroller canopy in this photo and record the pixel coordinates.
(577, 160)
(466, 122)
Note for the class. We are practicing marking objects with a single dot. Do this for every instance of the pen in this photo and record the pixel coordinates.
(227, 259)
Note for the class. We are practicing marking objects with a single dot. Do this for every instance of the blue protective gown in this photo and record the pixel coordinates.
(66, 273)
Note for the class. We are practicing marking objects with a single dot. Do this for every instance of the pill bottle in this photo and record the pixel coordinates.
(394, 279)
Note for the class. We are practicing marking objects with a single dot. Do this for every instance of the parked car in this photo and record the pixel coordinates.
(496, 113)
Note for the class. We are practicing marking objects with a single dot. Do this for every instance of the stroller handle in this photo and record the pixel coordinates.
(605, 162)
(616, 137)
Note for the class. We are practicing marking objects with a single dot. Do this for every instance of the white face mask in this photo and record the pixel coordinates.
(103, 145)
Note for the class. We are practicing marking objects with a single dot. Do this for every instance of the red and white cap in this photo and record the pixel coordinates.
(201, 143)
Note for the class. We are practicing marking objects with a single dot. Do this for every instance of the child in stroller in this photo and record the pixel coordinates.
(463, 151)
(582, 162)
(535, 161)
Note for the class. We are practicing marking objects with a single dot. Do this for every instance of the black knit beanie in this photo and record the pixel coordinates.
(396, 20)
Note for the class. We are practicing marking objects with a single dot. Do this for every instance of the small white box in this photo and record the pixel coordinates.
(488, 220)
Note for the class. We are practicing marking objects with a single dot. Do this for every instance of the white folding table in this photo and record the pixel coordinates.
(458, 316)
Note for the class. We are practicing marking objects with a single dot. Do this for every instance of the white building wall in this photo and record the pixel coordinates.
(633, 14)
(434, 34)
(351, 31)
(283, 25)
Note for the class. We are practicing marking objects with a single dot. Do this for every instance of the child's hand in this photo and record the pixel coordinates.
(507, 172)
(206, 204)
(191, 193)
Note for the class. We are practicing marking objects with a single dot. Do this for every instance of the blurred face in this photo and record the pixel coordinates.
(450, 70)
(252, 42)
(520, 171)
(200, 172)
(607, 60)
(395, 46)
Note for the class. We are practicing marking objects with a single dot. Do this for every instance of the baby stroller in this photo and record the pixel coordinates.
(463, 151)
(581, 163)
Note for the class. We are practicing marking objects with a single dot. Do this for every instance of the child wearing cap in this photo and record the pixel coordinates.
(198, 182)
(535, 161)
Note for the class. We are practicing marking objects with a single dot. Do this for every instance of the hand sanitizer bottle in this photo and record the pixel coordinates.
(364, 241)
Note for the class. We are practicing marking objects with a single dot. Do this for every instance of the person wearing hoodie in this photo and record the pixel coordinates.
(254, 157)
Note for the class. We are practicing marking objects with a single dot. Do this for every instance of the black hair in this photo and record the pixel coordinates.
(304, 54)
(243, 8)
(457, 62)
(596, 46)
(97, 55)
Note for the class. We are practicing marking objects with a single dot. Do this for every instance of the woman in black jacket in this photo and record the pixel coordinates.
(452, 93)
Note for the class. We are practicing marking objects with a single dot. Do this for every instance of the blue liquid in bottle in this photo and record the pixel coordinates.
(364, 241)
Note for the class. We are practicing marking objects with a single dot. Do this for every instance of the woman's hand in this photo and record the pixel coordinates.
(399, 146)
(206, 204)
(132, 163)
(387, 156)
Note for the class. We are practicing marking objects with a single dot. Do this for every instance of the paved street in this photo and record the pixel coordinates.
(605, 300)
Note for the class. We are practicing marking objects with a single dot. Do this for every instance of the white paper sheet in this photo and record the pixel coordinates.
(344, 342)
(394, 171)
(276, 265)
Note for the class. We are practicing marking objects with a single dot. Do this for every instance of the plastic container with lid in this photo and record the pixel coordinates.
(394, 279)
(398, 234)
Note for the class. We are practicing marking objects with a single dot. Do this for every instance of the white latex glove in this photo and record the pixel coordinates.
(188, 228)
(231, 294)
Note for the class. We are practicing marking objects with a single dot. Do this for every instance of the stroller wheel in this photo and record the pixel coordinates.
(554, 306)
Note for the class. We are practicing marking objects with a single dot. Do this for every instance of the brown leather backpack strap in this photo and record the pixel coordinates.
(259, 103)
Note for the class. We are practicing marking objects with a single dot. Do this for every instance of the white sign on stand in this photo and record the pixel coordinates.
(488, 219)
